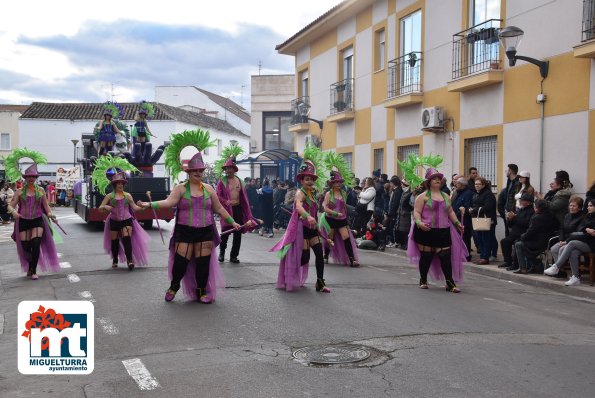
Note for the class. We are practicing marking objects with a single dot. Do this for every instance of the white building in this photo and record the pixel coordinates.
(203, 101)
(50, 127)
(9, 130)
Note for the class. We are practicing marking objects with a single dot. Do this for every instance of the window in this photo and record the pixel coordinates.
(410, 71)
(303, 90)
(379, 159)
(348, 159)
(484, 10)
(380, 47)
(276, 134)
(5, 141)
(347, 56)
(482, 153)
(481, 11)
(219, 147)
(403, 153)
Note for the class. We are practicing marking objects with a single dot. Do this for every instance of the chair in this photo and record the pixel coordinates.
(587, 264)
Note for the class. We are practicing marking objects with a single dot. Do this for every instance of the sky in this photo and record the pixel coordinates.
(81, 51)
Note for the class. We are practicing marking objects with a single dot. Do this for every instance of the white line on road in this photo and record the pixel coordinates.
(1, 323)
(59, 255)
(108, 326)
(65, 264)
(136, 369)
(73, 278)
(87, 296)
(376, 268)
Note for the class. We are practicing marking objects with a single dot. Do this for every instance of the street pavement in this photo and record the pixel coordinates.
(502, 336)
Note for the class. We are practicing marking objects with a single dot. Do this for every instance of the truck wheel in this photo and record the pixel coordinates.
(147, 224)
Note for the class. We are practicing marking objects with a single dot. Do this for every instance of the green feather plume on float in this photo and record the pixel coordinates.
(316, 156)
(230, 151)
(200, 139)
(149, 108)
(105, 163)
(416, 165)
(11, 162)
(334, 160)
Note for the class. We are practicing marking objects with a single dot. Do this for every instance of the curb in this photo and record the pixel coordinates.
(584, 290)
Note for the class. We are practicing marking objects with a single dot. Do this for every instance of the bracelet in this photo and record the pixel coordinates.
(417, 222)
(457, 223)
(155, 205)
(10, 209)
(304, 216)
(229, 220)
(334, 213)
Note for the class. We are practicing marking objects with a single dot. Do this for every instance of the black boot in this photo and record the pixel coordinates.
(321, 286)
(221, 257)
(452, 287)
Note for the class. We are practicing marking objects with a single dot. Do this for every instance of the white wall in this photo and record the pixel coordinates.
(482, 107)
(390, 158)
(408, 121)
(346, 134)
(379, 11)
(361, 161)
(323, 73)
(379, 117)
(363, 69)
(346, 30)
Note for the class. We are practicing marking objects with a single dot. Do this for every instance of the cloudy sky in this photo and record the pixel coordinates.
(80, 51)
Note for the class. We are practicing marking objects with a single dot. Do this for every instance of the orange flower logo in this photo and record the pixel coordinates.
(43, 319)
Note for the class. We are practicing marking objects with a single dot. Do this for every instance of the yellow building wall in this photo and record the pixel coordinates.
(363, 126)
(449, 101)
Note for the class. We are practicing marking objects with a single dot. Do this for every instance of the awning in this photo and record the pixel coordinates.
(270, 155)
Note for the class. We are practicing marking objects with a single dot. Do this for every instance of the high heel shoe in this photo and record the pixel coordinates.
(353, 262)
(321, 286)
(130, 266)
(171, 292)
(423, 284)
(203, 297)
(451, 287)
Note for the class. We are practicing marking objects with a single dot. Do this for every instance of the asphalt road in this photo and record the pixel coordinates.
(495, 339)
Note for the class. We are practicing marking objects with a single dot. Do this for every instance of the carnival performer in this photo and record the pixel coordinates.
(435, 239)
(192, 259)
(333, 222)
(33, 232)
(108, 128)
(140, 130)
(123, 237)
(302, 232)
(233, 198)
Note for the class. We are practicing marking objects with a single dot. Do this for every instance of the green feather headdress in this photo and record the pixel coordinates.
(414, 168)
(149, 108)
(11, 162)
(200, 139)
(230, 151)
(315, 155)
(105, 163)
(334, 160)
(114, 109)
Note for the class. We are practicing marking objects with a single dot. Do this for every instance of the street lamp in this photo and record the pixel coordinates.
(510, 38)
(304, 111)
(74, 142)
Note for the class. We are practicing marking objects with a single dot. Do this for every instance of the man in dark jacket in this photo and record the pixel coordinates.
(542, 227)
(519, 223)
(513, 186)
(393, 208)
(463, 200)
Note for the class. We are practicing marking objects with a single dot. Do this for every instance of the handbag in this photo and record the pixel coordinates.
(481, 223)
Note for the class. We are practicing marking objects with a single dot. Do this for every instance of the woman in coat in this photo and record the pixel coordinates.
(484, 205)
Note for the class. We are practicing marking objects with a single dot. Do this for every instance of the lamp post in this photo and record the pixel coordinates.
(74, 142)
(304, 110)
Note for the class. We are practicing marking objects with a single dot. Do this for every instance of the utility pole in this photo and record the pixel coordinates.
(242, 95)
(259, 67)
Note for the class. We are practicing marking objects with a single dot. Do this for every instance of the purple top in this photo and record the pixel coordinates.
(338, 205)
(311, 207)
(121, 209)
(195, 211)
(435, 214)
(31, 207)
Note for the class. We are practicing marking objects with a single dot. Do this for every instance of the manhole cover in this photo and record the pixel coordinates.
(331, 354)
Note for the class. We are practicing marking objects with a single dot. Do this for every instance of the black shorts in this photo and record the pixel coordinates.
(310, 233)
(142, 134)
(115, 225)
(435, 237)
(188, 234)
(25, 223)
(336, 224)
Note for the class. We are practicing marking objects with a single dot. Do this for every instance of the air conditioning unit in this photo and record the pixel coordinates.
(313, 140)
(432, 118)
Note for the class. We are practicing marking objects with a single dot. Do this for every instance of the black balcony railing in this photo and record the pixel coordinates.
(588, 20)
(476, 49)
(296, 104)
(342, 96)
(404, 75)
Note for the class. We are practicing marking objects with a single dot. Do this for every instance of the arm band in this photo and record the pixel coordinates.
(229, 220)
(417, 222)
(10, 209)
(457, 223)
(155, 205)
(334, 213)
(304, 216)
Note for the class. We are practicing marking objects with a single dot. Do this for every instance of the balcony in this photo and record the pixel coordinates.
(587, 47)
(476, 57)
(404, 81)
(299, 123)
(342, 101)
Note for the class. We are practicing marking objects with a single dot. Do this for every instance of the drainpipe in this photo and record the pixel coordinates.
(541, 98)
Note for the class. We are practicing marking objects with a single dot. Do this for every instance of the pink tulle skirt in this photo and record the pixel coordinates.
(48, 255)
(139, 239)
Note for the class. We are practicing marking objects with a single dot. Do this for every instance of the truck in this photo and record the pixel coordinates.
(88, 198)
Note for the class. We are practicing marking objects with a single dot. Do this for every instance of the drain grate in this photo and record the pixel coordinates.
(335, 354)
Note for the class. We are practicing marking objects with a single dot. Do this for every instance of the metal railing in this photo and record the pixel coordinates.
(588, 20)
(296, 104)
(404, 75)
(342, 96)
(476, 49)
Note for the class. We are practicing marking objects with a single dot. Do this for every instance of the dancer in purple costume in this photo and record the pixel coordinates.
(192, 259)
(301, 236)
(108, 128)
(334, 227)
(231, 193)
(435, 240)
(122, 229)
(33, 232)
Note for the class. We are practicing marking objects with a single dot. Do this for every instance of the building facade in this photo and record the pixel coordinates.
(394, 77)
(9, 130)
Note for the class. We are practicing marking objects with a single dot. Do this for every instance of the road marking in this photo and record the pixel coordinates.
(1, 323)
(108, 326)
(65, 264)
(59, 255)
(376, 268)
(68, 217)
(87, 296)
(137, 370)
(73, 278)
